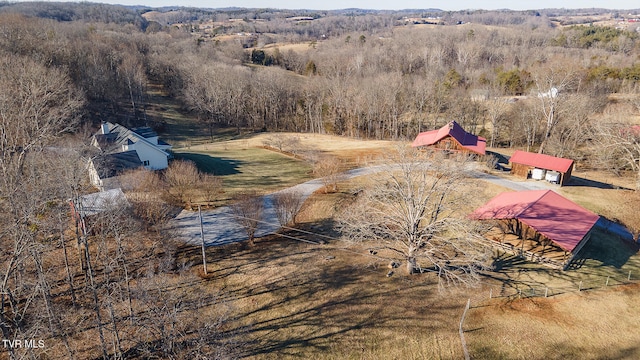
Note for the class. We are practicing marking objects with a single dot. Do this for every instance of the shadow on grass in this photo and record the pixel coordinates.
(310, 299)
(212, 165)
(582, 182)
(506, 260)
(605, 249)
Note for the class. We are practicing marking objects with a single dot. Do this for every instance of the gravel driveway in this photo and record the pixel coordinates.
(219, 224)
(220, 227)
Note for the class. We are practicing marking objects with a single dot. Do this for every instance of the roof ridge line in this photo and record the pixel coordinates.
(534, 201)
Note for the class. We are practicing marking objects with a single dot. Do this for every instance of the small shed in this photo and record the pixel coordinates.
(541, 167)
(95, 203)
(451, 137)
(549, 215)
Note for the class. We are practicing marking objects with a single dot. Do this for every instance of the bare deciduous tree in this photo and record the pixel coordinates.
(552, 85)
(248, 212)
(182, 177)
(287, 205)
(211, 187)
(329, 169)
(411, 209)
(620, 144)
(496, 110)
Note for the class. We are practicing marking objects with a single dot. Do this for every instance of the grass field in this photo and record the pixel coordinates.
(586, 325)
(244, 164)
(249, 169)
(334, 301)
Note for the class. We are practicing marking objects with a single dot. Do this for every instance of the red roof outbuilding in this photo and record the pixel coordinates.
(542, 161)
(466, 140)
(552, 215)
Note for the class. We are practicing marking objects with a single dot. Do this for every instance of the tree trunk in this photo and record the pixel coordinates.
(66, 265)
(411, 262)
(95, 298)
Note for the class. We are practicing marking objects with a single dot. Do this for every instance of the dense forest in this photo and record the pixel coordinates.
(535, 80)
(357, 73)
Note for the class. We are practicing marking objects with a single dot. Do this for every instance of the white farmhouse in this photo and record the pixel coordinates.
(124, 149)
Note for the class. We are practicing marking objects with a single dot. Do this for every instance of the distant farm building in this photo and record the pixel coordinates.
(539, 224)
(451, 137)
(541, 167)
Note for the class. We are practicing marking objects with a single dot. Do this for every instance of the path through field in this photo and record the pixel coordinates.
(220, 227)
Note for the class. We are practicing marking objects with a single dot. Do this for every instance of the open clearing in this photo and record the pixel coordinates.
(244, 164)
(247, 169)
(298, 300)
(334, 301)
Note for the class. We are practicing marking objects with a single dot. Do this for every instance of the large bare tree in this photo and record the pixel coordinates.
(36, 105)
(411, 208)
(553, 86)
(619, 146)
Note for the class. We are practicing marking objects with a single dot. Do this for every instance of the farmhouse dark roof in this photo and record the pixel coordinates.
(119, 135)
(559, 219)
(467, 140)
(110, 165)
(145, 131)
(542, 161)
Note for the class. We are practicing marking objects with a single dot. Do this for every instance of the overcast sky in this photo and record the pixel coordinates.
(388, 4)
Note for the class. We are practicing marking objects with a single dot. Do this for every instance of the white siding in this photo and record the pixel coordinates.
(150, 156)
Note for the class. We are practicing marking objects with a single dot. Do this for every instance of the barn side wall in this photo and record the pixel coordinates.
(566, 176)
(521, 170)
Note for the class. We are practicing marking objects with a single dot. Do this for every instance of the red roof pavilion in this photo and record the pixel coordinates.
(465, 140)
(542, 161)
(559, 219)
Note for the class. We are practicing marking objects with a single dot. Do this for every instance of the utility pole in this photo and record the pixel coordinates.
(204, 256)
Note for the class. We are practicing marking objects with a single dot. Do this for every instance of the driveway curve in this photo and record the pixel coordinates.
(221, 228)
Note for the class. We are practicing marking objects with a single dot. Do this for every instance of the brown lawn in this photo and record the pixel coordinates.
(335, 301)
(586, 325)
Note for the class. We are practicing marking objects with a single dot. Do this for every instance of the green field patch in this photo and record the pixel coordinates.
(607, 250)
(254, 169)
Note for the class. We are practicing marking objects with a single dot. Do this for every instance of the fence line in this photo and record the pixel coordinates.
(542, 291)
(462, 340)
(528, 291)
(513, 250)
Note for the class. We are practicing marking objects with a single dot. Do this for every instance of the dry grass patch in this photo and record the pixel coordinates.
(300, 300)
(588, 325)
(339, 146)
(330, 301)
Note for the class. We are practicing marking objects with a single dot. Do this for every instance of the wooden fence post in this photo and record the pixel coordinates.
(580, 286)
(629, 277)
(464, 343)
(546, 291)
(607, 283)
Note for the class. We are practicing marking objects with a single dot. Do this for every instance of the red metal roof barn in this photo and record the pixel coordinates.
(565, 223)
(451, 137)
(524, 163)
